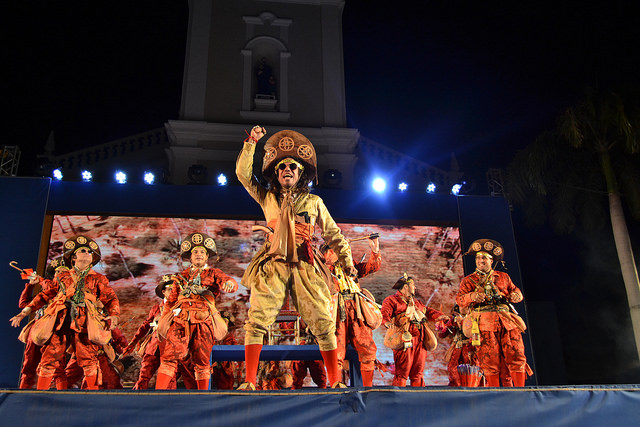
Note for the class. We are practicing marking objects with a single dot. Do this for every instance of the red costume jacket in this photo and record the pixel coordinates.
(395, 304)
(95, 285)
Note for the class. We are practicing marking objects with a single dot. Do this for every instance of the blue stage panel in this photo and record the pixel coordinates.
(552, 406)
(21, 221)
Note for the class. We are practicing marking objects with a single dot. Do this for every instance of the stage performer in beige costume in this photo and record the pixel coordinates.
(287, 262)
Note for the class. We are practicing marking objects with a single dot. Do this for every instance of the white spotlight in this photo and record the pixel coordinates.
(57, 174)
(379, 185)
(149, 178)
(431, 188)
(121, 177)
(87, 176)
(455, 190)
(222, 179)
(403, 186)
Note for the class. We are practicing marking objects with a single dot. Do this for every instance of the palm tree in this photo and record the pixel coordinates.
(593, 151)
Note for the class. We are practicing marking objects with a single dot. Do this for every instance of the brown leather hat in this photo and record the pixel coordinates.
(56, 264)
(289, 143)
(197, 239)
(488, 246)
(163, 281)
(77, 242)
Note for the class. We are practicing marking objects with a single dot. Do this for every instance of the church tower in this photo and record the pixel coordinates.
(277, 63)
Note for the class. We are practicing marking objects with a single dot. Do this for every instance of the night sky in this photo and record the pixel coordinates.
(479, 79)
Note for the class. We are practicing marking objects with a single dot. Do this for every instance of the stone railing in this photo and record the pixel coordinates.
(111, 150)
(377, 152)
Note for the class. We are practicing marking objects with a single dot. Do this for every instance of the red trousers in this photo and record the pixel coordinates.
(74, 373)
(149, 366)
(501, 347)
(187, 340)
(353, 331)
(53, 353)
(316, 370)
(410, 364)
(30, 361)
(110, 375)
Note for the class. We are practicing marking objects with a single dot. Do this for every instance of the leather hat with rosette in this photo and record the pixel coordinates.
(72, 245)
(489, 246)
(56, 264)
(197, 239)
(289, 143)
(163, 281)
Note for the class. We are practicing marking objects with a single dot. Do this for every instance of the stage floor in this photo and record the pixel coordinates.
(434, 406)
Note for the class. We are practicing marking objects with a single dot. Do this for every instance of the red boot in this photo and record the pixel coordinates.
(162, 381)
(61, 383)
(334, 373)
(493, 380)
(91, 382)
(44, 383)
(252, 359)
(203, 384)
(518, 378)
(367, 378)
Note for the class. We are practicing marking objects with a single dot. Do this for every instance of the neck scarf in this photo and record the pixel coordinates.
(413, 314)
(283, 244)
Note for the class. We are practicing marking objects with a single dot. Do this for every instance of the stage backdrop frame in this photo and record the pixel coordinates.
(34, 201)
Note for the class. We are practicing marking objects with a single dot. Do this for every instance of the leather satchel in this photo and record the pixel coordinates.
(370, 311)
(393, 338)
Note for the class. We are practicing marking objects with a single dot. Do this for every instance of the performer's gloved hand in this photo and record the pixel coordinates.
(478, 296)
(113, 322)
(15, 320)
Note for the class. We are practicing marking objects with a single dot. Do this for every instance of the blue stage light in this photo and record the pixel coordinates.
(121, 177)
(403, 186)
(378, 185)
(87, 176)
(149, 178)
(455, 190)
(431, 188)
(57, 174)
(222, 179)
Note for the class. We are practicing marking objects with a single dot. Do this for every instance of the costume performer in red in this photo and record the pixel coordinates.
(351, 325)
(403, 310)
(488, 295)
(110, 366)
(287, 263)
(274, 375)
(145, 340)
(72, 318)
(192, 322)
(223, 373)
(315, 367)
(32, 352)
(460, 352)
